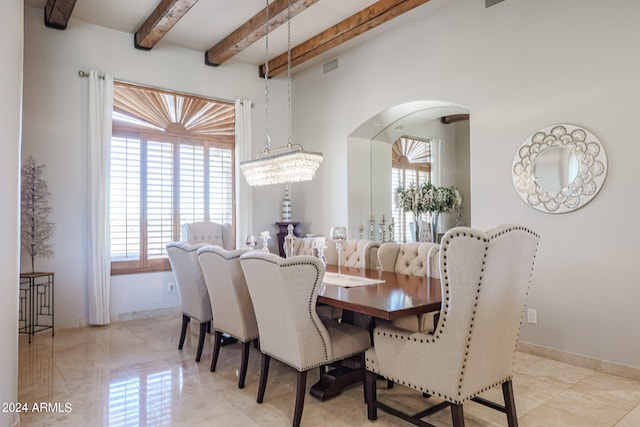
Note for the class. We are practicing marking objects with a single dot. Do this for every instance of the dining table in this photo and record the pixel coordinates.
(371, 292)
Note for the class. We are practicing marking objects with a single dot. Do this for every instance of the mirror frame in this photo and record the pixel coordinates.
(592, 160)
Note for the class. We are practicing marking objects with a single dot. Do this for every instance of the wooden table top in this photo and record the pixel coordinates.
(399, 295)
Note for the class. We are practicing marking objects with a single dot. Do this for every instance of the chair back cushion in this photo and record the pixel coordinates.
(210, 233)
(304, 246)
(355, 253)
(230, 301)
(284, 294)
(418, 259)
(501, 275)
(194, 297)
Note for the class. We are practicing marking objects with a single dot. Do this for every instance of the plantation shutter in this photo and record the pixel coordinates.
(125, 200)
(159, 197)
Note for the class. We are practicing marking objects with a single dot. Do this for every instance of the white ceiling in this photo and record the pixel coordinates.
(209, 21)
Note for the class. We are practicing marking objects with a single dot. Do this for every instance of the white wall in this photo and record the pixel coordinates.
(519, 66)
(55, 131)
(11, 45)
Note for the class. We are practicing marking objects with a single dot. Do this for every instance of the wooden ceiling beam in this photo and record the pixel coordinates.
(57, 13)
(368, 18)
(160, 21)
(454, 118)
(253, 30)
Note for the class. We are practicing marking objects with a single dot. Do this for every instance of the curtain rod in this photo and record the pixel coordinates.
(82, 73)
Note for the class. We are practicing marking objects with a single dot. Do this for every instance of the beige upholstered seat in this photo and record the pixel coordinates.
(355, 253)
(417, 259)
(485, 281)
(194, 298)
(284, 294)
(232, 308)
(210, 233)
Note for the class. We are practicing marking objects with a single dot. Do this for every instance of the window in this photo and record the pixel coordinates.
(411, 162)
(172, 162)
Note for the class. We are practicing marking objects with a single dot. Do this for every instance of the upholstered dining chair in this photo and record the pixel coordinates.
(284, 294)
(194, 297)
(485, 281)
(230, 301)
(417, 259)
(207, 232)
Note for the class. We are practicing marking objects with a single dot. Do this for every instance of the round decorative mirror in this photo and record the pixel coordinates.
(559, 168)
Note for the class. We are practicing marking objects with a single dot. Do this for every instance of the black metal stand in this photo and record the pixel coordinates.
(36, 303)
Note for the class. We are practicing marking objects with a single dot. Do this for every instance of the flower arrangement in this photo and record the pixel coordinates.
(428, 198)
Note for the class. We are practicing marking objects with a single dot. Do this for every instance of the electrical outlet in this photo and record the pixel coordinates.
(171, 287)
(532, 316)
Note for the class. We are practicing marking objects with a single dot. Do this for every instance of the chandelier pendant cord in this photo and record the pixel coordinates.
(289, 65)
(288, 163)
(267, 141)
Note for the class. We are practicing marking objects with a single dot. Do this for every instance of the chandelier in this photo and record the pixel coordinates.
(285, 164)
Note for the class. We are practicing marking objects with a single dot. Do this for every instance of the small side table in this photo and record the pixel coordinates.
(36, 303)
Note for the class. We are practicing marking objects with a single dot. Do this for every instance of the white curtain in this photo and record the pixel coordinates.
(244, 200)
(98, 251)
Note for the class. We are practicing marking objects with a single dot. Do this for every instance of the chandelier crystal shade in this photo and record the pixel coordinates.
(291, 164)
(285, 164)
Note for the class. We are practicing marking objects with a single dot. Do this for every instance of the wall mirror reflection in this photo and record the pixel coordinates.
(420, 141)
(559, 168)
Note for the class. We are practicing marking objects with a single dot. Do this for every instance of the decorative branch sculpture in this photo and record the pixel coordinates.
(36, 229)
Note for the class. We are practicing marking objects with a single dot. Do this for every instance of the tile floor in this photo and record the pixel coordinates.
(132, 374)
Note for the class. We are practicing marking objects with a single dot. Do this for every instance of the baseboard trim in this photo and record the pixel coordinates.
(147, 314)
(123, 317)
(581, 360)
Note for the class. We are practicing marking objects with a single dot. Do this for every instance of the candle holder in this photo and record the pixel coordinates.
(339, 235)
(319, 246)
(288, 242)
(265, 241)
(250, 241)
(382, 230)
(372, 228)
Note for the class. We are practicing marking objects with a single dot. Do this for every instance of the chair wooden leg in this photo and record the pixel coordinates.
(246, 346)
(203, 334)
(457, 415)
(509, 403)
(216, 350)
(370, 395)
(264, 373)
(183, 332)
(300, 392)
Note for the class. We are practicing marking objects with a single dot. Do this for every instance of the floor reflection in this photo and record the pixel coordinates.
(132, 374)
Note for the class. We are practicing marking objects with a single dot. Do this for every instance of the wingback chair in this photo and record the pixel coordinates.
(210, 233)
(194, 297)
(485, 281)
(232, 308)
(284, 294)
(417, 259)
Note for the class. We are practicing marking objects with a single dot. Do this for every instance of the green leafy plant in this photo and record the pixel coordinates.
(36, 229)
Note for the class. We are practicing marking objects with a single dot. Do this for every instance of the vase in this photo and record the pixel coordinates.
(286, 205)
(434, 226)
(414, 228)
